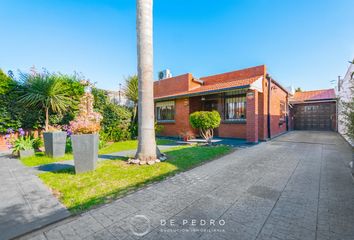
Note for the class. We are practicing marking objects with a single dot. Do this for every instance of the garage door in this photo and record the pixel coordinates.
(320, 116)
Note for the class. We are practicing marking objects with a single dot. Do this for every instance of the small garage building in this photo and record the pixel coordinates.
(314, 110)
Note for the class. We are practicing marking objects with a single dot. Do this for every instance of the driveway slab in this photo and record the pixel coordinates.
(25, 203)
(297, 186)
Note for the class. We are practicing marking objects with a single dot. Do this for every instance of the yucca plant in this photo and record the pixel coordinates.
(46, 91)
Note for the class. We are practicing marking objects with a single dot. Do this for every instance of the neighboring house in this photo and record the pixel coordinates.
(119, 98)
(344, 94)
(314, 110)
(252, 105)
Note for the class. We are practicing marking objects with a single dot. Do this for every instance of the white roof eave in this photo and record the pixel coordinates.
(257, 85)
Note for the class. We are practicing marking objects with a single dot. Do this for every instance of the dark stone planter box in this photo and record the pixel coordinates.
(54, 143)
(26, 153)
(85, 149)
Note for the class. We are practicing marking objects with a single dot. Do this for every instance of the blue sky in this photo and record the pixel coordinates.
(303, 43)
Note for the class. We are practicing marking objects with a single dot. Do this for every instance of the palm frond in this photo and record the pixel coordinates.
(131, 88)
(45, 91)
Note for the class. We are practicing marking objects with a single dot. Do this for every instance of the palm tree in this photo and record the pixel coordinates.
(131, 91)
(45, 91)
(146, 132)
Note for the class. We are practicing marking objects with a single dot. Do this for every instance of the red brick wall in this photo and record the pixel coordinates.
(262, 127)
(174, 85)
(252, 116)
(235, 75)
(232, 130)
(263, 111)
(277, 95)
(181, 124)
(171, 85)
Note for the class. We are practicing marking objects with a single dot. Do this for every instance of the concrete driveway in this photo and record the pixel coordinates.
(297, 186)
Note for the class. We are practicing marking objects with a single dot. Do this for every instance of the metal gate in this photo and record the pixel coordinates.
(317, 116)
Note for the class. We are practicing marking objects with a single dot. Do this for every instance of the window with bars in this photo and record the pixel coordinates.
(235, 108)
(165, 111)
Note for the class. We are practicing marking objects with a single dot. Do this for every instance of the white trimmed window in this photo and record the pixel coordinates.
(165, 111)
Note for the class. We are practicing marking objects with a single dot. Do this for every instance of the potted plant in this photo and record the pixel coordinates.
(54, 142)
(50, 93)
(84, 136)
(21, 146)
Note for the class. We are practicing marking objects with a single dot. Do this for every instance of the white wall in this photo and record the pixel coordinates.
(344, 93)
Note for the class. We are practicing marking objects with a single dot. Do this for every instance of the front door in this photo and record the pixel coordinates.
(211, 105)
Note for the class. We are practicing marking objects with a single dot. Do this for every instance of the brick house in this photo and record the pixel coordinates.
(252, 105)
(314, 110)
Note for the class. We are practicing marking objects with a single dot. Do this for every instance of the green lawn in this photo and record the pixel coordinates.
(40, 158)
(114, 178)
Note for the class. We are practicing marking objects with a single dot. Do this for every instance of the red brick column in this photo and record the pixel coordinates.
(252, 116)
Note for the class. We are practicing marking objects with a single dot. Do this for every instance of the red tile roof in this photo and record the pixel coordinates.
(218, 82)
(315, 95)
(214, 87)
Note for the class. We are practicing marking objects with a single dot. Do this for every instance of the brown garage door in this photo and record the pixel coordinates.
(319, 116)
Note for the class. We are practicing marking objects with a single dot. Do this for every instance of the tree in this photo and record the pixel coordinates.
(298, 89)
(147, 149)
(46, 91)
(6, 83)
(10, 117)
(205, 121)
(131, 91)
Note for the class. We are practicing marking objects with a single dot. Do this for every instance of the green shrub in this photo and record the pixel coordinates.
(158, 128)
(133, 129)
(10, 115)
(37, 142)
(102, 143)
(116, 123)
(205, 121)
(68, 145)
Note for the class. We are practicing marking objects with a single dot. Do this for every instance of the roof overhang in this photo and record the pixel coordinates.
(201, 93)
(313, 101)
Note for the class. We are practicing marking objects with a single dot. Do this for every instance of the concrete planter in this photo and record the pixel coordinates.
(85, 149)
(26, 153)
(54, 143)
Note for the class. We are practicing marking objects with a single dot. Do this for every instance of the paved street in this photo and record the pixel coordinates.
(297, 186)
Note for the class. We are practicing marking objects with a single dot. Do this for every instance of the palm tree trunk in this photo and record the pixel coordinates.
(46, 119)
(146, 130)
(135, 113)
